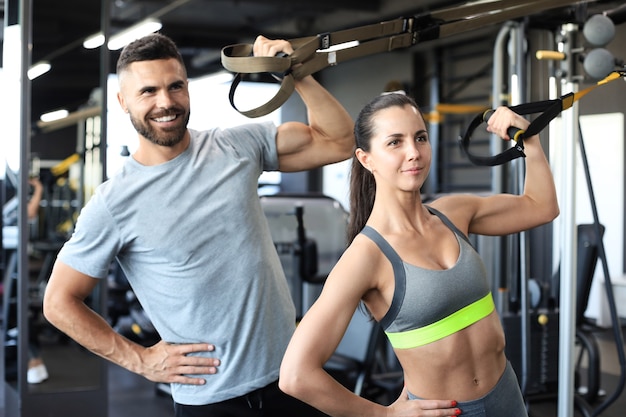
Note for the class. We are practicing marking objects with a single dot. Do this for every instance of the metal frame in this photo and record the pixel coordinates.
(22, 400)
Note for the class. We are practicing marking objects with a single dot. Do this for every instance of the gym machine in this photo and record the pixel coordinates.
(571, 326)
(309, 233)
(532, 331)
(361, 361)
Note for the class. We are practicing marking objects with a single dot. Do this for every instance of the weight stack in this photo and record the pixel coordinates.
(543, 351)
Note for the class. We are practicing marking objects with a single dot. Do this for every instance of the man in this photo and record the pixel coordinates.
(184, 221)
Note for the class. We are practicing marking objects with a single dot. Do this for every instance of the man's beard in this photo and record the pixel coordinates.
(168, 138)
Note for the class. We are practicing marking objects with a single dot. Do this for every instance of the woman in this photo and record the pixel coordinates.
(446, 334)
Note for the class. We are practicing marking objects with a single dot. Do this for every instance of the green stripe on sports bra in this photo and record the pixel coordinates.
(444, 327)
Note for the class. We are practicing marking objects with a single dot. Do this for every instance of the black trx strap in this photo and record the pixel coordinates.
(549, 110)
(314, 53)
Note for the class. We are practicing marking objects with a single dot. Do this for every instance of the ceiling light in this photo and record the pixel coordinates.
(136, 31)
(94, 41)
(126, 36)
(54, 115)
(38, 69)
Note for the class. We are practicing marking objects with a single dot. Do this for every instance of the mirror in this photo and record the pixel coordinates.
(12, 219)
(48, 169)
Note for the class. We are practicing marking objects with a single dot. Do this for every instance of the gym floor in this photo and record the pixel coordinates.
(130, 395)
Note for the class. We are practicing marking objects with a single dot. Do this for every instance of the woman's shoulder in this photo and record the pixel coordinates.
(364, 253)
(364, 264)
(458, 208)
(450, 201)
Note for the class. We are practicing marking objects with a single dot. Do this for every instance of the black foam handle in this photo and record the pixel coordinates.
(514, 133)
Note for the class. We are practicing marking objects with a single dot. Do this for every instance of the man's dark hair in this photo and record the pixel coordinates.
(149, 48)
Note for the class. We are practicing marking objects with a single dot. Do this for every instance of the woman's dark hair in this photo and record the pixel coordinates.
(148, 48)
(362, 184)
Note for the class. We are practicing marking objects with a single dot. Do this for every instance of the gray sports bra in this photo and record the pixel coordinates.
(429, 305)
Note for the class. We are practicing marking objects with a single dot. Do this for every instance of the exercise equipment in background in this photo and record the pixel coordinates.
(585, 401)
(309, 233)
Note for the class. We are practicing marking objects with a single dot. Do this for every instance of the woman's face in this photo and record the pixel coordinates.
(400, 152)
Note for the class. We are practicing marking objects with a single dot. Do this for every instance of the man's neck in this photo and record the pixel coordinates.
(149, 153)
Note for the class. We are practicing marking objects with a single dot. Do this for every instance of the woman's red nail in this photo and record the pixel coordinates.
(457, 411)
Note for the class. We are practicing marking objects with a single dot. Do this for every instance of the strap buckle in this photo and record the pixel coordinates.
(325, 42)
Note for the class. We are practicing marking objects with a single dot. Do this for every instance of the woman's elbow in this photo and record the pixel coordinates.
(544, 210)
(292, 381)
(556, 212)
(287, 381)
(546, 216)
(552, 211)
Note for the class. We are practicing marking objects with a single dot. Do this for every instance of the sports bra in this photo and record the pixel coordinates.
(429, 305)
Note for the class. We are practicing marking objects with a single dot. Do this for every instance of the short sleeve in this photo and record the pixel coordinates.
(95, 241)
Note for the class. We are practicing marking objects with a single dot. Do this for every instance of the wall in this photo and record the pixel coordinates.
(354, 83)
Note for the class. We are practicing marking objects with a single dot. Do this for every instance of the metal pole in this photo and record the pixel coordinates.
(499, 98)
(432, 180)
(567, 322)
(517, 91)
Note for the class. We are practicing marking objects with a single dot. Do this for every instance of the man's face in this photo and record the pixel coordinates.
(156, 95)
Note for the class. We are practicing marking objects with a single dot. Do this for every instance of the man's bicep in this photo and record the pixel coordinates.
(292, 138)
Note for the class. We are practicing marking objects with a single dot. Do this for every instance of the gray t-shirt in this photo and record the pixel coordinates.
(192, 239)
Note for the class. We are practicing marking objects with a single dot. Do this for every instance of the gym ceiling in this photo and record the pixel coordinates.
(201, 28)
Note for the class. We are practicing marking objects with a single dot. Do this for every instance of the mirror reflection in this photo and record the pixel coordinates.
(54, 362)
(37, 371)
(62, 165)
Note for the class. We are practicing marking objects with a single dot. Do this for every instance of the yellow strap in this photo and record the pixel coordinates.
(615, 75)
(64, 165)
(444, 327)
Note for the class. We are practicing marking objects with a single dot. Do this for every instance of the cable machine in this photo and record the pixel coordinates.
(568, 54)
(568, 41)
(566, 239)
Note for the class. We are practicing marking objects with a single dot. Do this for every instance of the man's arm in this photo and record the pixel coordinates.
(329, 135)
(64, 307)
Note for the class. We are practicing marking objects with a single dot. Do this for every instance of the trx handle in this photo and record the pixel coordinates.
(314, 53)
(549, 109)
(500, 159)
